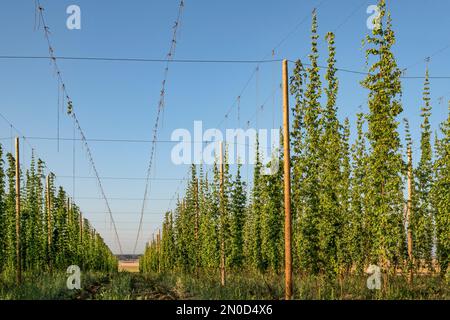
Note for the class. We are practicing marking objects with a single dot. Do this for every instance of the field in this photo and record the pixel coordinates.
(129, 266)
(248, 286)
(348, 200)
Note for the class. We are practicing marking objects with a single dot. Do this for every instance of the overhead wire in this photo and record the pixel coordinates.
(428, 58)
(175, 194)
(72, 113)
(160, 107)
(129, 212)
(272, 53)
(148, 60)
(258, 62)
(122, 198)
(34, 153)
(346, 19)
(121, 178)
(343, 70)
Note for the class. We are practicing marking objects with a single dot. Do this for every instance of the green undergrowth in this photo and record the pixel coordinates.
(250, 286)
(206, 286)
(46, 286)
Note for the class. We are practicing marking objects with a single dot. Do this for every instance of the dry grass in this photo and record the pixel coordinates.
(129, 265)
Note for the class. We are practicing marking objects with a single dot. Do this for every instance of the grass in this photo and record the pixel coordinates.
(242, 285)
(135, 286)
(250, 286)
(42, 286)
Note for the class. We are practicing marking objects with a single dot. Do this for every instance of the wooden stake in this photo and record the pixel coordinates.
(222, 218)
(18, 253)
(81, 227)
(196, 226)
(69, 208)
(287, 187)
(409, 213)
(158, 248)
(94, 238)
(49, 220)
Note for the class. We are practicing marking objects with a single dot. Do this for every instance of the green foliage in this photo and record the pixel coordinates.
(237, 220)
(306, 161)
(441, 196)
(254, 237)
(423, 213)
(272, 218)
(384, 199)
(347, 196)
(3, 216)
(359, 239)
(51, 237)
(209, 237)
(330, 176)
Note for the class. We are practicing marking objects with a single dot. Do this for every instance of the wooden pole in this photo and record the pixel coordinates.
(49, 221)
(222, 218)
(409, 213)
(69, 208)
(287, 186)
(94, 238)
(196, 227)
(18, 253)
(158, 247)
(81, 227)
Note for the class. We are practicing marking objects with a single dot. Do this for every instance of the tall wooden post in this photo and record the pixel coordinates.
(18, 247)
(287, 187)
(409, 213)
(49, 220)
(69, 208)
(196, 226)
(81, 227)
(158, 248)
(222, 219)
(94, 238)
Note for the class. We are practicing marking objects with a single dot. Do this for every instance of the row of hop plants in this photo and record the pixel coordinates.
(53, 232)
(348, 198)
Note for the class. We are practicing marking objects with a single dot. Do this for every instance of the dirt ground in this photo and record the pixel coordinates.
(129, 265)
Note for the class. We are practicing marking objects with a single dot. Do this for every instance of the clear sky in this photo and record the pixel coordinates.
(118, 100)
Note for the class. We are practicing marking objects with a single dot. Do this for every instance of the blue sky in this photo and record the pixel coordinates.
(119, 100)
